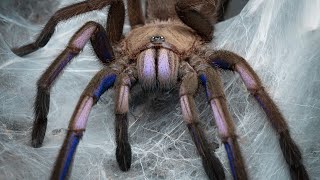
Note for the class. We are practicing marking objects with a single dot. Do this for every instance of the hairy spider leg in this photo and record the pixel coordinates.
(223, 9)
(162, 10)
(114, 23)
(188, 88)
(200, 15)
(100, 83)
(230, 61)
(76, 44)
(101, 46)
(211, 81)
(123, 151)
(136, 17)
(195, 20)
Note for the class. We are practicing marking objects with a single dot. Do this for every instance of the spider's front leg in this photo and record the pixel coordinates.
(114, 26)
(231, 61)
(101, 82)
(103, 50)
(189, 86)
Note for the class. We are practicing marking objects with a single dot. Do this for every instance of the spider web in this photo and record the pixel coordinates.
(280, 41)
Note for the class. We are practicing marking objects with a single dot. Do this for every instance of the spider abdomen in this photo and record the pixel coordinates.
(157, 68)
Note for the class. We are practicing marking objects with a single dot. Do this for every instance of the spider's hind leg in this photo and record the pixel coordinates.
(41, 107)
(115, 21)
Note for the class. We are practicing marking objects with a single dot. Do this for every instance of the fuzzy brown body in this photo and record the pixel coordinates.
(158, 63)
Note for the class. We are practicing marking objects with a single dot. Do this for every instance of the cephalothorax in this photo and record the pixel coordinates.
(157, 48)
(164, 49)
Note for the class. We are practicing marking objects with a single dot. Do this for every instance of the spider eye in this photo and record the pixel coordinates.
(157, 39)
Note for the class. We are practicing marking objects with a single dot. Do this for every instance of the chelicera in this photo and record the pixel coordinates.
(166, 48)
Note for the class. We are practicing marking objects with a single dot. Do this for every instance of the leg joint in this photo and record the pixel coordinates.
(77, 132)
(256, 91)
(225, 138)
(43, 85)
(91, 23)
(73, 49)
(216, 96)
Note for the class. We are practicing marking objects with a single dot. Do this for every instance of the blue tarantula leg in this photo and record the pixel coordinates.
(76, 44)
(100, 83)
(188, 88)
(123, 151)
(231, 61)
(115, 23)
(214, 91)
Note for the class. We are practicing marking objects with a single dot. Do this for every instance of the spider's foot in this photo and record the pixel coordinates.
(38, 133)
(210, 162)
(17, 52)
(213, 168)
(24, 50)
(298, 173)
(123, 155)
(293, 157)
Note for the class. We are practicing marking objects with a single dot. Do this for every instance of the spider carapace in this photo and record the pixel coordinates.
(166, 47)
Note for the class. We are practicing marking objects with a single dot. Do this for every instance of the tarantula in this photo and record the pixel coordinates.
(166, 47)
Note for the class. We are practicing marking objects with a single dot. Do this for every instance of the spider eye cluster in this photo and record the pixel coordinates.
(157, 39)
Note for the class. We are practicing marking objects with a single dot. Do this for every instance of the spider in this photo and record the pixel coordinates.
(165, 48)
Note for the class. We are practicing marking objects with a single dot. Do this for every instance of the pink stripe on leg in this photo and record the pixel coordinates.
(247, 76)
(219, 117)
(81, 118)
(186, 109)
(123, 100)
(83, 37)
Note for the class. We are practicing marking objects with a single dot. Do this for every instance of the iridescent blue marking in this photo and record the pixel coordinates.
(73, 143)
(104, 85)
(61, 66)
(230, 157)
(203, 79)
(221, 64)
